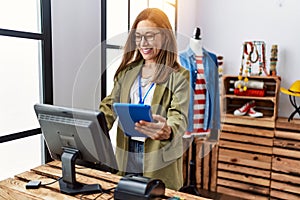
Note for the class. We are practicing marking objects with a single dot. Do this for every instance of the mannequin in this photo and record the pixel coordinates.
(191, 188)
(188, 59)
(200, 93)
(196, 42)
(203, 67)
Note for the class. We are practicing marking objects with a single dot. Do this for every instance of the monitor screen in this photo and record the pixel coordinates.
(75, 135)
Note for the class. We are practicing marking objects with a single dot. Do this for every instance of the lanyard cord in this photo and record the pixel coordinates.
(142, 100)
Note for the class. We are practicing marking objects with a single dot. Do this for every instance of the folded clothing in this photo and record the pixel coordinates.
(250, 84)
(250, 92)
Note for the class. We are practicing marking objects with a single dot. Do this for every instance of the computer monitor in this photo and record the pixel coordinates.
(73, 135)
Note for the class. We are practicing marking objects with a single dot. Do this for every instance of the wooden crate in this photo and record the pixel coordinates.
(206, 173)
(206, 165)
(268, 104)
(244, 161)
(285, 176)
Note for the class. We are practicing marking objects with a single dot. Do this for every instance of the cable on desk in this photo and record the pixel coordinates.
(51, 182)
(103, 191)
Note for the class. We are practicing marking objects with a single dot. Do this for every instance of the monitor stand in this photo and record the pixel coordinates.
(68, 183)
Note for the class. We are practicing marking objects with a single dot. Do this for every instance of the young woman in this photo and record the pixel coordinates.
(150, 73)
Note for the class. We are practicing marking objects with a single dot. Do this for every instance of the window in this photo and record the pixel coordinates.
(25, 79)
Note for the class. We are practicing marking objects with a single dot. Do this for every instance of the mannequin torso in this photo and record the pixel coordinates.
(196, 46)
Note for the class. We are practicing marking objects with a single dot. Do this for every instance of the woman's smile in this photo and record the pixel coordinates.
(146, 50)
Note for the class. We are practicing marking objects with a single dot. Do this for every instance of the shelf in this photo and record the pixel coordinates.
(245, 160)
(250, 121)
(286, 160)
(283, 123)
(267, 104)
(249, 97)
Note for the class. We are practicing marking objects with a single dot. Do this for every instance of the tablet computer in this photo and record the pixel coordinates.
(129, 114)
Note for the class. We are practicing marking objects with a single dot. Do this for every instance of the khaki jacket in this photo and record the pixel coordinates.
(162, 158)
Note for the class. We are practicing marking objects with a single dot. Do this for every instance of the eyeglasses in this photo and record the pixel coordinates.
(148, 36)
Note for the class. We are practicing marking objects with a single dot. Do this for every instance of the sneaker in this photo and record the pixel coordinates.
(244, 109)
(253, 113)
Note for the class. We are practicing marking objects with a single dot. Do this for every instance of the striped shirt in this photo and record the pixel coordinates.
(199, 102)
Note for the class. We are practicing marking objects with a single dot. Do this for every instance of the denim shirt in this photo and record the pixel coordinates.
(212, 103)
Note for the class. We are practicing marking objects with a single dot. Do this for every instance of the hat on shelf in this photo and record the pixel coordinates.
(294, 90)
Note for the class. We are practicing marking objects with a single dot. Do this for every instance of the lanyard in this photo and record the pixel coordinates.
(142, 100)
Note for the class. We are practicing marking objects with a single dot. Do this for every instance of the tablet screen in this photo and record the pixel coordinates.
(129, 114)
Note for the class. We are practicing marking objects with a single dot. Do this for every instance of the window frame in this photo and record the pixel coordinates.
(46, 66)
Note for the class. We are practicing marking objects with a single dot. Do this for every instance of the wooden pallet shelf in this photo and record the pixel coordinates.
(267, 104)
(245, 161)
(232, 96)
(285, 176)
(246, 120)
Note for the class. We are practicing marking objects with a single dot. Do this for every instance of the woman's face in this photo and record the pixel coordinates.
(148, 40)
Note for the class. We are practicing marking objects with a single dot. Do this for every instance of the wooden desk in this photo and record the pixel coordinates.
(14, 188)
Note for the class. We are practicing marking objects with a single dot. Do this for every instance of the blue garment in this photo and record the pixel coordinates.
(212, 103)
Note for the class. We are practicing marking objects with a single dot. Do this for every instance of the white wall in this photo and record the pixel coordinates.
(187, 21)
(76, 52)
(227, 24)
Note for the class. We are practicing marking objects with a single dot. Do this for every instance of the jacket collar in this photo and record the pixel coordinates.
(159, 92)
(129, 79)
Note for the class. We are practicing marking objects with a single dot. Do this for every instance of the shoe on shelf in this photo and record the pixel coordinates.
(244, 109)
(253, 113)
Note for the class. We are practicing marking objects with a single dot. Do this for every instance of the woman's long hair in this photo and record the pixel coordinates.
(166, 60)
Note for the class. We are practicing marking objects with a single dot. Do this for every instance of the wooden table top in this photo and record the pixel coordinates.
(14, 188)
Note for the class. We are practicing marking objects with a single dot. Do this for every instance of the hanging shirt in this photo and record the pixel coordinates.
(212, 103)
(199, 102)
